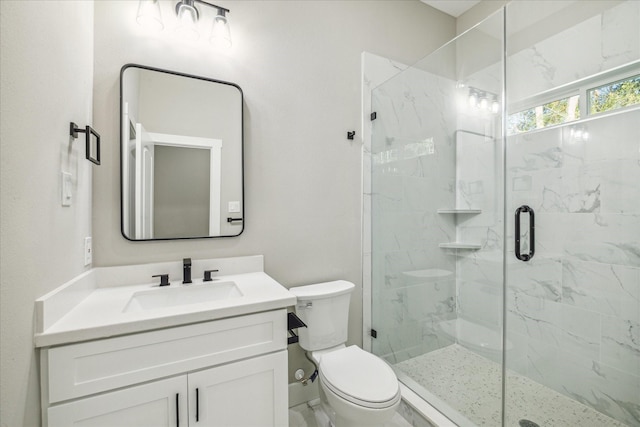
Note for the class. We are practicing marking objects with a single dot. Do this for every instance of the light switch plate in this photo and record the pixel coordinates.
(66, 189)
(88, 251)
(234, 207)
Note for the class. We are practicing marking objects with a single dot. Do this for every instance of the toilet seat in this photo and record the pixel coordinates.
(359, 377)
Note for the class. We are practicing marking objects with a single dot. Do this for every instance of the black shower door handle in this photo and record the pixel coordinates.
(532, 251)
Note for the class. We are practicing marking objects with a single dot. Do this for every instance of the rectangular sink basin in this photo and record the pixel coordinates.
(176, 296)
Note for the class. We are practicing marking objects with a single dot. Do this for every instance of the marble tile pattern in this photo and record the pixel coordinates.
(574, 310)
(595, 35)
(411, 159)
(473, 385)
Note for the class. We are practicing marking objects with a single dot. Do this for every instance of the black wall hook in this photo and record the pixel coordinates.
(351, 134)
(88, 131)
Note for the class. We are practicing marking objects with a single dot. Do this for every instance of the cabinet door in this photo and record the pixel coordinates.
(156, 404)
(248, 393)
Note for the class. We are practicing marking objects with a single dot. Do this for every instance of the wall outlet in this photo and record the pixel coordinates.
(88, 251)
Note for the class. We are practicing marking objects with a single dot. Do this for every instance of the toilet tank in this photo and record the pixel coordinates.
(324, 308)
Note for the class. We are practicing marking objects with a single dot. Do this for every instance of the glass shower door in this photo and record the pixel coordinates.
(573, 159)
(437, 225)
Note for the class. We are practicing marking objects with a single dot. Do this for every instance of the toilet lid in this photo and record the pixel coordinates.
(359, 377)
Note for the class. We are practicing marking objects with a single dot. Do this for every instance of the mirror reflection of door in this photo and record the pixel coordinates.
(144, 155)
(177, 181)
(183, 168)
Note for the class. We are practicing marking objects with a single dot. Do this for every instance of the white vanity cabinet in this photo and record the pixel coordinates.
(227, 372)
(160, 403)
(252, 392)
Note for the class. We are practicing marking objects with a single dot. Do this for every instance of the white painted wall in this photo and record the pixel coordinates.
(46, 58)
(477, 13)
(298, 63)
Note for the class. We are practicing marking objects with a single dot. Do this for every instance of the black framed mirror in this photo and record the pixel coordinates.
(181, 155)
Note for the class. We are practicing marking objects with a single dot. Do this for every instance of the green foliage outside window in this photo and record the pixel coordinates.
(553, 113)
(615, 95)
(604, 98)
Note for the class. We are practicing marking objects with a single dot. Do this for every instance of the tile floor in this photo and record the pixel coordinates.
(471, 384)
(310, 415)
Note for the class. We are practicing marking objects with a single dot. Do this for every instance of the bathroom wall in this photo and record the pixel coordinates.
(46, 77)
(298, 64)
(477, 14)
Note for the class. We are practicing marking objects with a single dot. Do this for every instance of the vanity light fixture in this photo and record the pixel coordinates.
(187, 16)
(483, 100)
(149, 15)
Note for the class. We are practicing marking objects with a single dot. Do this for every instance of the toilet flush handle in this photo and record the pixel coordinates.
(308, 304)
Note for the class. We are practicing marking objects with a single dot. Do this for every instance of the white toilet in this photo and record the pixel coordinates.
(356, 387)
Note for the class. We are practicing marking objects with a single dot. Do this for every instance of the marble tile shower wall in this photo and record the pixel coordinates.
(479, 186)
(413, 174)
(479, 178)
(573, 313)
(590, 37)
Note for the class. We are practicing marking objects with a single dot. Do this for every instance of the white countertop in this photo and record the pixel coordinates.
(99, 311)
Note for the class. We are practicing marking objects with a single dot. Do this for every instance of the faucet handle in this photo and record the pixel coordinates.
(207, 275)
(164, 279)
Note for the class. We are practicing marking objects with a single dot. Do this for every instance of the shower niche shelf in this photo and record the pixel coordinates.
(460, 245)
(466, 246)
(460, 211)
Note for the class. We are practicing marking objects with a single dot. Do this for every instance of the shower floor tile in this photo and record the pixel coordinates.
(471, 384)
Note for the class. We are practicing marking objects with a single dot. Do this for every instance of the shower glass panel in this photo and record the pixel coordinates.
(505, 218)
(437, 225)
(573, 157)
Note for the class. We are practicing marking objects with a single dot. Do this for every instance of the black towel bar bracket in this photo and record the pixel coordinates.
(88, 132)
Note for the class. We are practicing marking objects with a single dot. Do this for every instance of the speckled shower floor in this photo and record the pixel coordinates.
(471, 385)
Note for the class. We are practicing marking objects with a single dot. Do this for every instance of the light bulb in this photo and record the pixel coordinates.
(484, 103)
(495, 106)
(187, 20)
(220, 33)
(473, 99)
(149, 15)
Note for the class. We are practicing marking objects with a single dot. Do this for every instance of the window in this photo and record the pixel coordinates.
(585, 100)
(612, 96)
(552, 113)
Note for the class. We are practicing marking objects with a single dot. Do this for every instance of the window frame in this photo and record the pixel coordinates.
(581, 88)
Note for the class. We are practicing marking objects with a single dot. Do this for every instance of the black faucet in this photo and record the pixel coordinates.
(186, 270)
